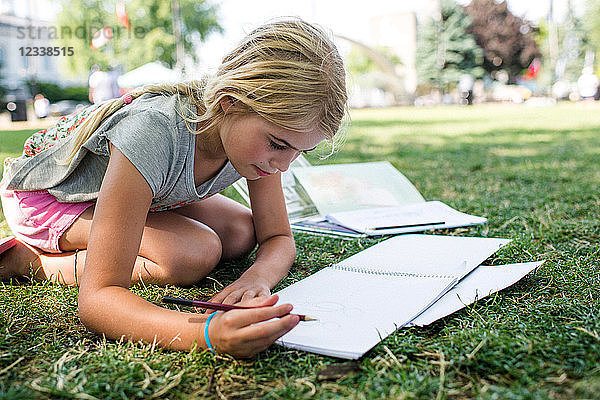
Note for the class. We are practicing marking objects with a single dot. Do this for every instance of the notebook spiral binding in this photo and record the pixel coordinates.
(371, 271)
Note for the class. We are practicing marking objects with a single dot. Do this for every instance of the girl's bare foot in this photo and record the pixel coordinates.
(19, 261)
(23, 261)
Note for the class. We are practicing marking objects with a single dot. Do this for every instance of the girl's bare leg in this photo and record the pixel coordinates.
(230, 220)
(174, 250)
(24, 261)
(18, 261)
(61, 268)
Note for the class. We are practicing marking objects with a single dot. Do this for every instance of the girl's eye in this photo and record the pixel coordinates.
(276, 146)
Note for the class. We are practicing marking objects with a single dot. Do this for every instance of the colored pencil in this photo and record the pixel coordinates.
(380, 228)
(216, 306)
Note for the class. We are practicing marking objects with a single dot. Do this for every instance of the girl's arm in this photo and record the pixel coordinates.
(276, 251)
(107, 306)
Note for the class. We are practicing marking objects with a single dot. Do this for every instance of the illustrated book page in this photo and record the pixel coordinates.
(345, 187)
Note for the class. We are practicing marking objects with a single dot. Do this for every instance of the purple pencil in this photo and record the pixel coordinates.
(216, 306)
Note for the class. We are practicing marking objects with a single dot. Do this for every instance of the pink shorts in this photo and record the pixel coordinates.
(37, 218)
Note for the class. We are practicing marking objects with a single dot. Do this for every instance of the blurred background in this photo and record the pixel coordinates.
(60, 55)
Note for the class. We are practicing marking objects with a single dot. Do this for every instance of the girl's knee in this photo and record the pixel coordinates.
(240, 237)
(194, 261)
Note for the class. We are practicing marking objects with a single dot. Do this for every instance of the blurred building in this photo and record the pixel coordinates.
(398, 32)
(14, 40)
(21, 26)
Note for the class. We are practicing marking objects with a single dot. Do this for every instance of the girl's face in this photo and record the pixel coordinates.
(256, 147)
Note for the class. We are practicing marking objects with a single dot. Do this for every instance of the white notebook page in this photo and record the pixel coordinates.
(404, 219)
(354, 311)
(366, 297)
(481, 282)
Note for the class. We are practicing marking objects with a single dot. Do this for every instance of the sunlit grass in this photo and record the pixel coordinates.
(533, 172)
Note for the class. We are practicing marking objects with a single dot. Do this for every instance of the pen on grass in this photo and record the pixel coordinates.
(216, 306)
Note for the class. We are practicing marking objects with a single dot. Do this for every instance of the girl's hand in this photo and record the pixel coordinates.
(245, 288)
(234, 332)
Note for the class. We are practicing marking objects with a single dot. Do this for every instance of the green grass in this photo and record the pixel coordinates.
(533, 172)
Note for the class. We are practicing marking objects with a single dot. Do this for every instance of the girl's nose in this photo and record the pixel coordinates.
(282, 161)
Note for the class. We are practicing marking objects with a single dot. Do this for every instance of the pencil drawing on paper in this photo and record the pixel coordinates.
(329, 314)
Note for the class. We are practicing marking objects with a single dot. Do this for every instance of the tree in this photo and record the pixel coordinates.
(591, 23)
(2, 88)
(150, 37)
(358, 61)
(573, 47)
(507, 40)
(564, 46)
(445, 49)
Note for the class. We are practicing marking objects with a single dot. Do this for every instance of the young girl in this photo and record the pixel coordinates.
(126, 191)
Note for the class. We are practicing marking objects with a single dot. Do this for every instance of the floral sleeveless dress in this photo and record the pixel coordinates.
(46, 138)
(36, 217)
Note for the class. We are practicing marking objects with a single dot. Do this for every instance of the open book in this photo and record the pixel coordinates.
(363, 299)
(360, 199)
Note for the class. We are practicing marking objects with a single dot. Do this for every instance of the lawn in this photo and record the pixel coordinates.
(533, 172)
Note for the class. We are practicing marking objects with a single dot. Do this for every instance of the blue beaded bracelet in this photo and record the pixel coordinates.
(206, 339)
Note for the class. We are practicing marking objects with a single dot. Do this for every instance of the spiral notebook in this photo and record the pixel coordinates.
(361, 300)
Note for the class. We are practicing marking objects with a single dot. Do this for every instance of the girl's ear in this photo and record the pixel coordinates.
(226, 102)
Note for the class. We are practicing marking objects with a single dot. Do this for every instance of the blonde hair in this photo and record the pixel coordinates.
(289, 72)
